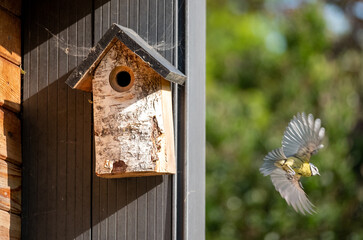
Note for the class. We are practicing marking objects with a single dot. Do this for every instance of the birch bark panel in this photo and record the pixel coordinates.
(130, 133)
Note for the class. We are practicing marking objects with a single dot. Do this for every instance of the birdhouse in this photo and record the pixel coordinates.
(132, 105)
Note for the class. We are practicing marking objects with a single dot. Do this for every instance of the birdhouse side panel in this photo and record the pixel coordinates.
(169, 165)
(130, 134)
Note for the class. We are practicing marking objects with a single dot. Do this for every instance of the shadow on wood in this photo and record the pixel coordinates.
(61, 194)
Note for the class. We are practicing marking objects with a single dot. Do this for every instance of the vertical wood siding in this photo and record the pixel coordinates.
(62, 197)
(57, 137)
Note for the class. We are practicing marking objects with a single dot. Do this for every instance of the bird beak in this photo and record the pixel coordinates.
(318, 174)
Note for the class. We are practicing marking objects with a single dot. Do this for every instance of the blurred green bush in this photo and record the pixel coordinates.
(266, 61)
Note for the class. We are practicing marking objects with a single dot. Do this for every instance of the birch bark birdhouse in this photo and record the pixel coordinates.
(133, 125)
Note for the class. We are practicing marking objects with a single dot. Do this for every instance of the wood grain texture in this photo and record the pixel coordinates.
(146, 18)
(56, 121)
(133, 128)
(10, 137)
(10, 37)
(167, 113)
(106, 204)
(10, 187)
(9, 85)
(10, 226)
(14, 6)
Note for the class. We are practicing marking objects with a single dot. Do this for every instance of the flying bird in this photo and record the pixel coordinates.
(287, 164)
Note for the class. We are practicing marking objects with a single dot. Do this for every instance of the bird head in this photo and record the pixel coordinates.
(314, 170)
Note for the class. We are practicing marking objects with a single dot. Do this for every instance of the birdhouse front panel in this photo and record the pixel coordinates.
(132, 116)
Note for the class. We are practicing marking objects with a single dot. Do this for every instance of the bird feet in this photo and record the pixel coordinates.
(290, 173)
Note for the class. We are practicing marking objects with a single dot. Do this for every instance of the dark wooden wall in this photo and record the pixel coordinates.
(62, 198)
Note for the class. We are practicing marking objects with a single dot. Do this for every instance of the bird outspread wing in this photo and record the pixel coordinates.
(303, 137)
(270, 159)
(291, 190)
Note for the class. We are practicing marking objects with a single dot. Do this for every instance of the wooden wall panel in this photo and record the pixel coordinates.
(13, 6)
(10, 37)
(143, 205)
(57, 138)
(9, 85)
(10, 137)
(10, 128)
(62, 197)
(10, 187)
(10, 226)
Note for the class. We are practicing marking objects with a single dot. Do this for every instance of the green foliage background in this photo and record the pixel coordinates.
(264, 65)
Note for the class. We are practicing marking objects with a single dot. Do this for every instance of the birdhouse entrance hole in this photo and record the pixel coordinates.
(121, 78)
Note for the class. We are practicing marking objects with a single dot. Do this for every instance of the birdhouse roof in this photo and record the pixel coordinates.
(81, 77)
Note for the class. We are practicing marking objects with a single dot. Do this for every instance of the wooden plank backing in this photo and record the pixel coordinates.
(143, 204)
(10, 187)
(10, 37)
(119, 208)
(10, 226)
(9, 85)
(57, 139)
(10, 137)
(14, 6)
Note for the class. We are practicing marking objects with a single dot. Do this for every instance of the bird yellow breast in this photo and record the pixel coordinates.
(300, 167)
(304, 170)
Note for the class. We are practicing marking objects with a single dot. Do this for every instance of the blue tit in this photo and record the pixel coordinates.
(286, 165)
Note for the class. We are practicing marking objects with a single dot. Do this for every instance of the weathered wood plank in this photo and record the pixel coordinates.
(103, 214)
(160, 212)
(10, 37)
(161, 34)
(25, 131)
(10, 226)
(10, 187)
(84, 129)
(41, 127)
(168, 49)
(141, 191)
(121, 202)
(71, 130)
(168, 217)
(9, 85)
(96, 191)
(111, 209)
(131, 227)
(10, 137)
(151, 207)
(13, 6)
(51, 208)
(87, 168)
